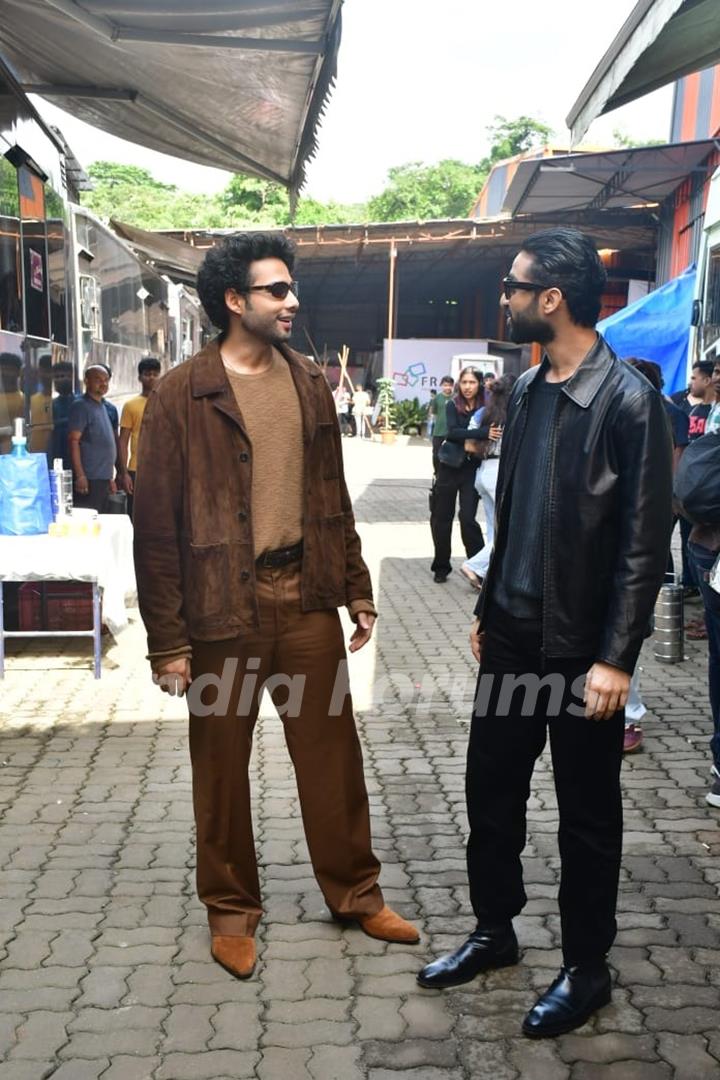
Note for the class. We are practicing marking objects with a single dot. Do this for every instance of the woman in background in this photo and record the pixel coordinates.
(455, 477)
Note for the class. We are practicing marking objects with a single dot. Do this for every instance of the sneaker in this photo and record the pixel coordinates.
(633, 738)
(472, 577)
(713, 795)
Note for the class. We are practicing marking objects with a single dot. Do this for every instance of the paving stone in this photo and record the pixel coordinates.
(206, 1066)
(427, 1017)
(538, 1061)
(487, 1061)
(622, 1070)
(41, 1035)
(278, 1064)
(308, 1034)
(124, 1067)
(124, 1018)
(607, 1048)
(188, 1028)
(689, 1056)
(83, 1070)
(335, 1063)
(236, 1027)
(410, 1053)
(376, 1020)
(684, 1021)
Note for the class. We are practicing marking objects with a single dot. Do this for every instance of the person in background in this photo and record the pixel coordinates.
(12, 400)
(489, 420)
(92, 442)
(41, 407)
(703, 549)
(149, 370)
(702, 392)
(678, 424)
(63, 375)
(453, 481)
(362, 403)
(489, 381)
(430, 423)
(342, 403)
(438, 407)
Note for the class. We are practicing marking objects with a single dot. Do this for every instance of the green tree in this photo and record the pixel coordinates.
(511, 137)
(418, 191)
(627, 142)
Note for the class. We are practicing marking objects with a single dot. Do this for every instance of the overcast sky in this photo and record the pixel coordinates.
(421, 82)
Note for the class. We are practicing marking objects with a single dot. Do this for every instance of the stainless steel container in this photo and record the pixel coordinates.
(669, 647)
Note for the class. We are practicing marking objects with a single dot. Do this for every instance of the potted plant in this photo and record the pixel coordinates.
(386, 402)
(410, 416)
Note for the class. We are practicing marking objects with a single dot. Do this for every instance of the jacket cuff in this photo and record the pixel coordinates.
(159, 659)
(356, 606)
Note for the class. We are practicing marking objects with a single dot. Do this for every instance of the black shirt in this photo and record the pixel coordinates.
(519, 587)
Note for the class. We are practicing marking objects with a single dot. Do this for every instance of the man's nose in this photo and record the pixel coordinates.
(503, 300)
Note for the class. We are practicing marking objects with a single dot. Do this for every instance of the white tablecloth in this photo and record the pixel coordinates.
(106, 558)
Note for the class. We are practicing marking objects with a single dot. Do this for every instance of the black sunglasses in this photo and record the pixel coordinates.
(509, 285)
(277, 289)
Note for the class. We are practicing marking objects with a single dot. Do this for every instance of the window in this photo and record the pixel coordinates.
(711, 321)
(57, 272)
(32, 213)
(11, 313)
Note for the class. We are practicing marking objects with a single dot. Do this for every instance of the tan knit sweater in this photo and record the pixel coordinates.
(271, 411)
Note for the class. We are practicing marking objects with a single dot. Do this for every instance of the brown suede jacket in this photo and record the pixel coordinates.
(194, 556)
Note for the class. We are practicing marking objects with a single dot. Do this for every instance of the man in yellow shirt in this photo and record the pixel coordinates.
(131, 420)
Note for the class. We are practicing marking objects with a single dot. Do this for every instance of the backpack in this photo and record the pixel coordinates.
(697, 481)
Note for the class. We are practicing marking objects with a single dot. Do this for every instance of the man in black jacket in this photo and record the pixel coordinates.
(583, 517)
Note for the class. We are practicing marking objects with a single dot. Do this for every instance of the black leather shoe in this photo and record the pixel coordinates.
(569, 1001)
(440, 576)
(483, 950)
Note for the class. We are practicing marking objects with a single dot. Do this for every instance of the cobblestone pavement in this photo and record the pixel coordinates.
(106, 971)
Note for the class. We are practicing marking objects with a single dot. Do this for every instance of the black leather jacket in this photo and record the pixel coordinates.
(607, 514)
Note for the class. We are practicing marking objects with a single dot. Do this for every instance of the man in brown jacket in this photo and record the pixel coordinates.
(245, 546)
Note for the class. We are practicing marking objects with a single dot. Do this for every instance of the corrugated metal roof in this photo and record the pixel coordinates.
(236, 85)
(615, 180)
(660, 41)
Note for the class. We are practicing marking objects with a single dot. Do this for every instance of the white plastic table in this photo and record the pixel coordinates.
(105, 561)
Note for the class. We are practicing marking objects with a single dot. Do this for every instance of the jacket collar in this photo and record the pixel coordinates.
(207, 375)
(587, 379)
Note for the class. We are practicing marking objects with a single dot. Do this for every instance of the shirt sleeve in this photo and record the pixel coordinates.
(127, 418)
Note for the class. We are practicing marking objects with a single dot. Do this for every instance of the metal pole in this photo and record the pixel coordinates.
(97, 629)
(2, 632)
(391, 309)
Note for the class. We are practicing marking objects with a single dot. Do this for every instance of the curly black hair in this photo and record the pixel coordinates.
(226, 267)
(568, 259)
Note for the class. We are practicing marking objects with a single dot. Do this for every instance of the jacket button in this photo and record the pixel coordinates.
(244, 576)
(244, 456)
(242, 516)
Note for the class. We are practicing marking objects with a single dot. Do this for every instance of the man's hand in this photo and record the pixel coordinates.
(113, 488)
(126, 483)
(477, 640)
(606, 691)
(174, 677)
(495, 432)
(363, 630)
(82, 485)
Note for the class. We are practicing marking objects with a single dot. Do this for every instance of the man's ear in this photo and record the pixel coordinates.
(551, 300)
(235, 301)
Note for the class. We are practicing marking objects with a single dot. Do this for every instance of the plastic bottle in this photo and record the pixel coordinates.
(19, 441)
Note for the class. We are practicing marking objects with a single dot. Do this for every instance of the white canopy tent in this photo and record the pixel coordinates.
(236, 84)
(661, 41)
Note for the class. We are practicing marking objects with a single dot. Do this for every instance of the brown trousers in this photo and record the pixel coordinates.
(325, 751)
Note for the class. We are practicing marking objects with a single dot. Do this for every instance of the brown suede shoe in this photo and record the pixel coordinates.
(236, 954)
(387, 925)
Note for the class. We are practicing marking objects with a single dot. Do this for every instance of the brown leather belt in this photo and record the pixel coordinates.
(271, 560)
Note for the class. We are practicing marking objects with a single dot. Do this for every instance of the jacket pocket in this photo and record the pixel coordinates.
(207, 588)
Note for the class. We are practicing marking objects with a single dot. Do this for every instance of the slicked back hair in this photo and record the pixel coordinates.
(568, 259)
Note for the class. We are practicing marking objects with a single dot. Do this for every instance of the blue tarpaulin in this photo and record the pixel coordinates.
(657, 327)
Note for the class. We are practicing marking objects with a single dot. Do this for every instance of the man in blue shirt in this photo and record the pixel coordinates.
(92, 442)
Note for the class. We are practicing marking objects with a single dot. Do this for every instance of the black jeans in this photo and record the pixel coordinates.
(96, 498)
(448, 484)
(586, 755)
